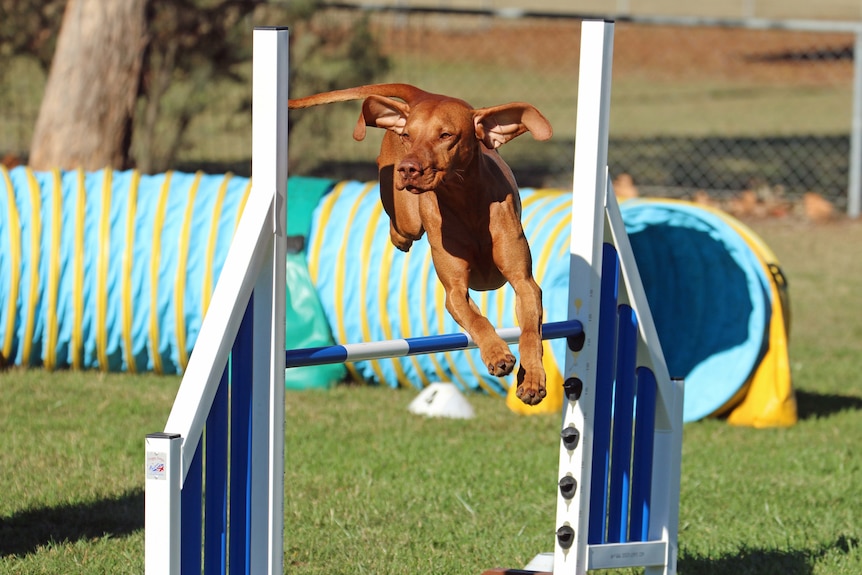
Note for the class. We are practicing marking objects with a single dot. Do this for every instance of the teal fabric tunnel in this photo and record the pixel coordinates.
(110, 269)
(709, 295)
(114, 270)
(707, 291)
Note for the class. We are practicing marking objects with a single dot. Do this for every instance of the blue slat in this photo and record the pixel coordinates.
(643, 452)
(215, 501)
(240, 446)
(621, 451)
(604, 384)
(190, 516)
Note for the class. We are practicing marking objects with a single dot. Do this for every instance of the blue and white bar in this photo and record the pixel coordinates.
(417, 345)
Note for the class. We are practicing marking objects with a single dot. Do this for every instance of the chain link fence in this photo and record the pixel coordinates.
(694, 108)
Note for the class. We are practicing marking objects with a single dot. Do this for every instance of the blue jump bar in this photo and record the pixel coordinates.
(416, 345)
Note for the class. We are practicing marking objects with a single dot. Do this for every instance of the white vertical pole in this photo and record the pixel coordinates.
(591, 158)
(269, 175)
(162, 502)
(854, 188)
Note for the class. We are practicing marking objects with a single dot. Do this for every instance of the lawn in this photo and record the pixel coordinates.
(371, 488)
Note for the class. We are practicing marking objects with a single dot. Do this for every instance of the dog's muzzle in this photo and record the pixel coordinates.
(415, 178)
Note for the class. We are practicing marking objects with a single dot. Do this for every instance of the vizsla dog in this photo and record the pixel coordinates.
(440, 174)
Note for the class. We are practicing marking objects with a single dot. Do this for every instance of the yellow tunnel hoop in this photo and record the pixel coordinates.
(158, 225)
(77, 348)
(128, 263)
(339, 277)
(325, 213)
(207, 288)
(14, 265)
(180, 278)
(388, 253)
(367, 238)
(54, 270)
(103, 260)
(35, 262)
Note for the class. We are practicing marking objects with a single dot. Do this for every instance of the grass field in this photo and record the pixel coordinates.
(373, 489)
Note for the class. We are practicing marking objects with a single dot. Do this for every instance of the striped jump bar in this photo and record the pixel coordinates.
(572, 330)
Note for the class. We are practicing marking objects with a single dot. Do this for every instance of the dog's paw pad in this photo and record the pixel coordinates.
(531, 389)
(502, 366)
(531, 396)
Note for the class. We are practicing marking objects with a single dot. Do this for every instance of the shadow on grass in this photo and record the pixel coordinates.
(749, 561)
(25, 532)
(811, 405)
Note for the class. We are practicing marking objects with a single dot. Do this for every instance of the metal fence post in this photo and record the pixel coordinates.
(854, 189)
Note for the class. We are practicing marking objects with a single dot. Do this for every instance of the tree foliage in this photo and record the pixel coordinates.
(199, 43)
(195, 45)
(29, 27)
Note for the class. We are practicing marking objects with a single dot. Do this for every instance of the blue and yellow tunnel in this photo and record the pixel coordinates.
(114, 270)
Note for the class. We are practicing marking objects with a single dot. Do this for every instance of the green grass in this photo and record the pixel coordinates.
(71, 495)
(373, 489)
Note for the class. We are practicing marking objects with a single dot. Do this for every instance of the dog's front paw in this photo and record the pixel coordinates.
(399, 241)
(531, 387)
(500, 363)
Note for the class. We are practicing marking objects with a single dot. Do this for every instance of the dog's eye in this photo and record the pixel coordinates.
(445, 136)
(405, 136)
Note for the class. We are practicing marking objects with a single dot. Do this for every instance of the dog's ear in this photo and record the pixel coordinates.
(496, 126)
(381, 112)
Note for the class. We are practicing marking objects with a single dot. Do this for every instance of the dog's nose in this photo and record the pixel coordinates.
(409, 169)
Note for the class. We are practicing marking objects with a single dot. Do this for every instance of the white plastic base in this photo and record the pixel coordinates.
(442, 400)
(541, 562)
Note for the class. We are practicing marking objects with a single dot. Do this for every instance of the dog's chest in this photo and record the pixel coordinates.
(463, 223)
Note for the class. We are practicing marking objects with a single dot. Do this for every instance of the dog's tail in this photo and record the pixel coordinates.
(404, 92)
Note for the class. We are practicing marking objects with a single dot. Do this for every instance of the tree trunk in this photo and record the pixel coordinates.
(85, 119)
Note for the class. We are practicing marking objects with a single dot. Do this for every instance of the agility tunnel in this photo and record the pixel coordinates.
(110, 269)
(717, 295)
(114, 270)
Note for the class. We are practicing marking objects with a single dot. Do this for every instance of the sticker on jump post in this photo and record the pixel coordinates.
(157, 465)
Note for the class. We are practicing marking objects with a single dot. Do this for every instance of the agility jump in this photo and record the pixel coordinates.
(617, 502)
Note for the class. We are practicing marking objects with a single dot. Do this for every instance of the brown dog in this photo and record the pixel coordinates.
(440, 174)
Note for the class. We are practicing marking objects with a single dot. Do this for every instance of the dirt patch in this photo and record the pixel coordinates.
(657, 52)
(734, 54)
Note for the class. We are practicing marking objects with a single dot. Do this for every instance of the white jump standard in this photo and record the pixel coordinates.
(621, 435)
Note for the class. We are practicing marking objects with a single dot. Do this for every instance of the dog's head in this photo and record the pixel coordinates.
(441, 136)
